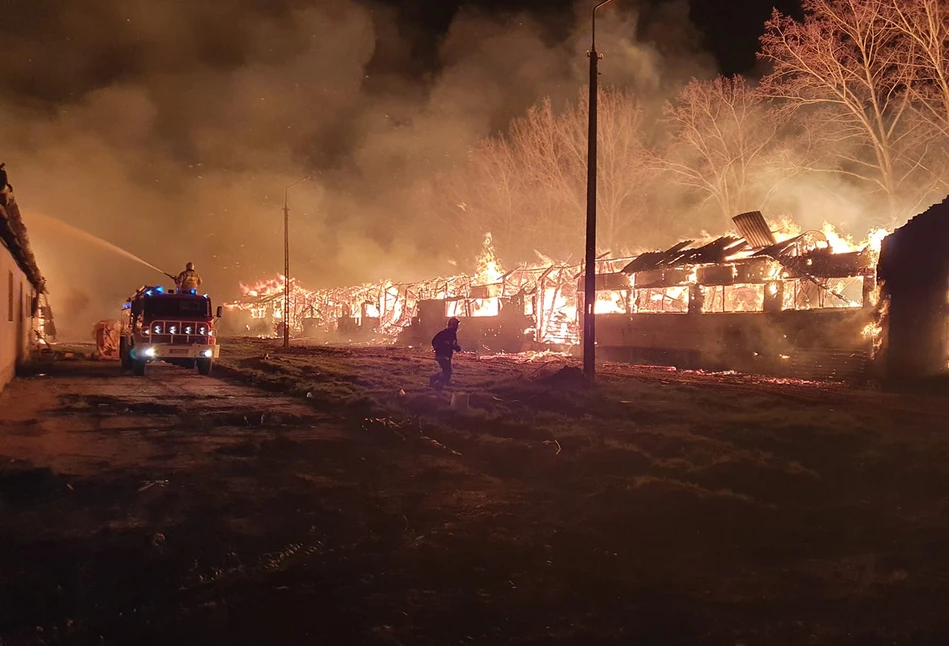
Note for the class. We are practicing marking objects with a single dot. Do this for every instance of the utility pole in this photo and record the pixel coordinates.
(589, 275)
(286, 275)
(286, 261)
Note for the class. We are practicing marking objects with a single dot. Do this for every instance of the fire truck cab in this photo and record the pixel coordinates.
(176, 327)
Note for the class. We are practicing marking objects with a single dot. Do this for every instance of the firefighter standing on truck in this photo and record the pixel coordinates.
(445, 343)
(188, 279)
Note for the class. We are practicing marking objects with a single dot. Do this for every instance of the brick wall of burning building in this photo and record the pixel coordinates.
(799, 303)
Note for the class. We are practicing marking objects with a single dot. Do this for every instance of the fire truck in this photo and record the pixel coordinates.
(174, 326)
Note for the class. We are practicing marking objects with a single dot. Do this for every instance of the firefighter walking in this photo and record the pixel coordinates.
(445, 344)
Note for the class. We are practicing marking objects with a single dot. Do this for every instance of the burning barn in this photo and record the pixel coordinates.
(804, 304)
(503, 311)
(753, 303)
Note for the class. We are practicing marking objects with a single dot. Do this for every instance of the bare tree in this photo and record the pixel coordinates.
(924, 26)
(512, 189)
(500, 193)
(844, 61)
(533, 179)
(455, 225)
(725, 144)
(624, 168)
(553, 176)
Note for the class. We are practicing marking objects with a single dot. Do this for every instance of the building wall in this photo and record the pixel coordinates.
(15, 316)
(914, 269)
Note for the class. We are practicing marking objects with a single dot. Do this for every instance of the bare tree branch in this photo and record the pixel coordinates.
(725, 144)
(850, 58)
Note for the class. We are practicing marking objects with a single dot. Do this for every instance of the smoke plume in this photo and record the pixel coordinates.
(172, 130)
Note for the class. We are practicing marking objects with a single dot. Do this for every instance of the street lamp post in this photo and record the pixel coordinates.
(589, 275)
(286, 261)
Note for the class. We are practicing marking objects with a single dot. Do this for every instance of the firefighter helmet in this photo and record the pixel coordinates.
(189, 266)
(454, 322)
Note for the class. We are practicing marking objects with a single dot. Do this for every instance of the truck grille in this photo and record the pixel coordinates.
(180, 332)
(179, 339)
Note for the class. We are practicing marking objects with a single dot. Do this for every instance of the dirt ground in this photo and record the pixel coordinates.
(326, 496)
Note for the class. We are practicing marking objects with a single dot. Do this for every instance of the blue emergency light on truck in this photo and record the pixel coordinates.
(175, 326)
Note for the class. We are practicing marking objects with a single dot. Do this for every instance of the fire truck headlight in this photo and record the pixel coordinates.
(189, 329)
(156, 329)
(202, 329)
(149, 352)
(207, 353)
(173, 329)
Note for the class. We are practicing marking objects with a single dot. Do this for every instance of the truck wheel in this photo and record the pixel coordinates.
(204, 367)
(138, 368)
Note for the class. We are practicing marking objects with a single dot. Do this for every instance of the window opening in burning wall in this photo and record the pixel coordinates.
(733, 298)
(485, 306)
(663, 299)
(10, 296)
(456, 307)
(612, 301)
(831, 293)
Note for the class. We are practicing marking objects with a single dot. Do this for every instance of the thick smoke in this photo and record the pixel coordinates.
(172, 129)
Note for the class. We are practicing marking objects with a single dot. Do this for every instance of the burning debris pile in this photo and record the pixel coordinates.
(533, 307)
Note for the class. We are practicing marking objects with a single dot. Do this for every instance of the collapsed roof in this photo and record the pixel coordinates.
(805, 255)
(14, 237)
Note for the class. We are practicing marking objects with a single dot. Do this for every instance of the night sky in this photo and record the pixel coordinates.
(731, 28)
(82, 49)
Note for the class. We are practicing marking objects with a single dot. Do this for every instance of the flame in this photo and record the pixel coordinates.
(485, 307)
(845, 244)
(559, 323)
(873, 331)
(736, 298)
(489, 269)
(837, 242)
(874, 241)
(549, 291)
(787, 229)
(609, 302)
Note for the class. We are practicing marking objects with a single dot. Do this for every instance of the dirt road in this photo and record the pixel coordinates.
(173, 508)
(192, 510)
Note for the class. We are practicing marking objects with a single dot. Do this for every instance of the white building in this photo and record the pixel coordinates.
(20, 285)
